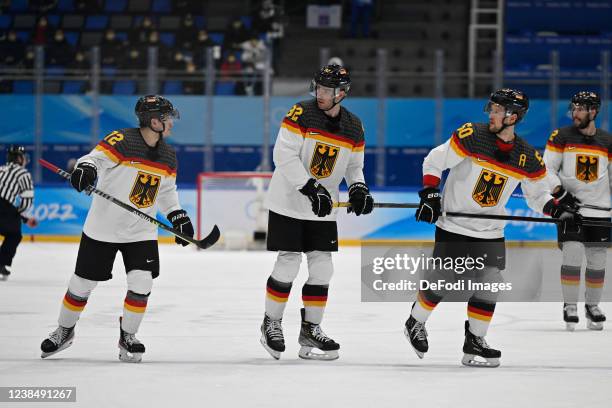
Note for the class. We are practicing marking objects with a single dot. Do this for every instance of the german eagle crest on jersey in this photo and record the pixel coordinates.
(489, 188)
(323, 160)
(587, 167)
(145, 189)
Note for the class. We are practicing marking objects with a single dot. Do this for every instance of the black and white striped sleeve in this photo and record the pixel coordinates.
(26, 192)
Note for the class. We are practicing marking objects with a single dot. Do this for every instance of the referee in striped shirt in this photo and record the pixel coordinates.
(15, 182)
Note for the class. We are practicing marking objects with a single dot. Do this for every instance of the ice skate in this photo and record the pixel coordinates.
(272, 338)
(476, 350)
(416, 333)
(130, 348)
(57, 341)
(595, 317)
(570, 316)
(4, 273)
(316, 345)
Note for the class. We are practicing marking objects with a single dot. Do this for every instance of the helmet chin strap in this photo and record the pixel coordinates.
(504, 124)
(334, 103)
(160, 133)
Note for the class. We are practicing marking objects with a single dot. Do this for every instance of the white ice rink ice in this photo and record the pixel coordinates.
(202, 334)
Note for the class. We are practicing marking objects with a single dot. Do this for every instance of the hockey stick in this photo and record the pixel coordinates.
(592, 207)
(381, 205)
(589, 223)
(207, 242)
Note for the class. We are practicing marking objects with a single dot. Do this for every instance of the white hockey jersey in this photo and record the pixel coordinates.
(479, 183)
(312, 145)
(582, 166)
(138, 175)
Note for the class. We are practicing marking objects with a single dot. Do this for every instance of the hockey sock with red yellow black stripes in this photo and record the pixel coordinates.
(480, 314)
(277, 294)
(424, 305)
(570, 283)
(134, 308)
(72, 306)
(315, 300)
(594, 285)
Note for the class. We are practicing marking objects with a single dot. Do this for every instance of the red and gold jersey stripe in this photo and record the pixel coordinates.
(323, 136)
(136, 162)
(489, 162)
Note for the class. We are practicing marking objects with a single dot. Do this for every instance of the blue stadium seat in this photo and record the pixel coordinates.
(121, 35)
(54, 20)
(24, 36)
(217, 38)
(74, 87)
(115, 6)
(225, 88)
(199, 22)
(23, 87)
(167, 39)
(96, 22)
(65, 5)
(247, 21)
(162, 6)
(108, 70)
(19, 5)
(72, 37)
(5, 21)
(173, 88)
(124, 87)
(53, 70)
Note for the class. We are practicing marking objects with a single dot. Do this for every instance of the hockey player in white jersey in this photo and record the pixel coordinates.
(319, 144)
(578, 160)
(136, 165)
(487, 161)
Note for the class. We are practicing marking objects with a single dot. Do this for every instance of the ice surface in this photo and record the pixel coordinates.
(202, 336)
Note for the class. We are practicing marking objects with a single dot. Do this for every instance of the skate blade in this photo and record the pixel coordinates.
(128, 357)
(307, 353)
(419, 354)
(570, 326)
(470, 360)
(273, 353)
(591, 325)
(62, 347)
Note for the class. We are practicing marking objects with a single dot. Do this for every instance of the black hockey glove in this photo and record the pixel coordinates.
(360, 199)
(571, 221)
(564, 197)
(181, 222)
(429, 208)
(319, 197)
(84, 175)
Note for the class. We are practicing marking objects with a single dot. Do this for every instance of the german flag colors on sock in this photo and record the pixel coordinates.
(74, 303)
(277, 291)
(428, 300)
(595, 279)
(135, 302)
(570, 275)
(479, 310)
(314, 295)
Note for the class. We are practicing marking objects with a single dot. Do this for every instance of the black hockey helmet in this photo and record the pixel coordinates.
(588, 99)
(513, 100)
(154, 107)
(16, 152)
(331, 76)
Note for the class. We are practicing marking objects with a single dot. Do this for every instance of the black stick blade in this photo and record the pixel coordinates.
(210, 239)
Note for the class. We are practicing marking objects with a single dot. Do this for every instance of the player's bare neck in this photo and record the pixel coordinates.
(507, 135)
(333, 112)
(150, 137)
